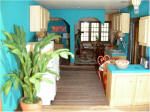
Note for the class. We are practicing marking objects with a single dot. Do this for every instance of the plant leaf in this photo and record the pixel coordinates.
(16, 84)
(47, 80)
(7, 86)
(8, 36)
(64, 55)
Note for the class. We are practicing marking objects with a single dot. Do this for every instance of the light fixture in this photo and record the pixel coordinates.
(136, 4)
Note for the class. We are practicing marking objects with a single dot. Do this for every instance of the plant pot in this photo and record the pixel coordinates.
(30, 107)
(0, 105)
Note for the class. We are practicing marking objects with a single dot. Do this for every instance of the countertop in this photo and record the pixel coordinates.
(115, 54)
(132, 68)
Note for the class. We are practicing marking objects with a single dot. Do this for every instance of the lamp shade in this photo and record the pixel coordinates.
(136, 4)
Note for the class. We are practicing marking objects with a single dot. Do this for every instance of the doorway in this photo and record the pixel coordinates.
(91, 33)
(62, 28)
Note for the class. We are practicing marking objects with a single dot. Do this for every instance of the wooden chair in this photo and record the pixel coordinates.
(100, 50)
(103, 60)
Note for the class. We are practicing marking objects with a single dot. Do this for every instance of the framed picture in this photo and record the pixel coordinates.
(58, 28)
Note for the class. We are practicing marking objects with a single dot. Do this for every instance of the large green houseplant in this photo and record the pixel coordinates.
(32, 65)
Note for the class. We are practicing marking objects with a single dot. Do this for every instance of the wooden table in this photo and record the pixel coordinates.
(86, 48)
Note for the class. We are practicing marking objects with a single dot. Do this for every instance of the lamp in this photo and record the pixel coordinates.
(136, 4)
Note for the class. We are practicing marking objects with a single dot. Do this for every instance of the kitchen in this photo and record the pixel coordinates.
(128, 46)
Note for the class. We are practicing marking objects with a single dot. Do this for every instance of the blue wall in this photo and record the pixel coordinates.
(125, 40)
(72, 16)
(144, 10)
(12, 12)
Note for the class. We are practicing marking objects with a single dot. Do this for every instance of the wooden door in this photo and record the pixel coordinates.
(136, 46)
(136, 51)
(142, 94)
(123, 89)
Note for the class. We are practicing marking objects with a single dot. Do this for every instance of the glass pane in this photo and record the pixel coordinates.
(82, 24)
(107, 39)
(87, 24)
(97, 34)
(86, 34)
(104, 24)
(101, 38)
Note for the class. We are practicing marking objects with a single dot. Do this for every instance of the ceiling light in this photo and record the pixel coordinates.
(136, 4)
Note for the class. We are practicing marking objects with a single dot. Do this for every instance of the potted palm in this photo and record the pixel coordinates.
(32, 66)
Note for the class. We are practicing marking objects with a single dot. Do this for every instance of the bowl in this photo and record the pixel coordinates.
(122, 64)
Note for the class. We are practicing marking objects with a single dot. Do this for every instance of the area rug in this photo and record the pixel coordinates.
(89, 60)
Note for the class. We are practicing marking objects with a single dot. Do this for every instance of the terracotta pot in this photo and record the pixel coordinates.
(30, 107)
(0, 105)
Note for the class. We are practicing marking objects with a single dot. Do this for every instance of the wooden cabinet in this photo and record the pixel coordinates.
(46, 18)
(125, 89)
(124, 22)
(142, 93)
(121, 22)
(117, 22)
(115, 19)
(39, 18)
(144, 31)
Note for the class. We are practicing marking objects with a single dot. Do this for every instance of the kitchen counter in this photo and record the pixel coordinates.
(132, 68)
(114, 54)
(128, 87)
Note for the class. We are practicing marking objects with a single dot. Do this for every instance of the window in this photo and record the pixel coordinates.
(91, 31)
(104, 32)
(94, 31)
(85, 29)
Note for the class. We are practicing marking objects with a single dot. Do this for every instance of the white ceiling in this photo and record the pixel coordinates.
(109, 5)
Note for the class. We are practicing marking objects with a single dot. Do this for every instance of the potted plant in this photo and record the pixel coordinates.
(32, 66)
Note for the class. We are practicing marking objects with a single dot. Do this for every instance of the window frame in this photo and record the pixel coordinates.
(108, 33)
(90, 29)
(90, 22)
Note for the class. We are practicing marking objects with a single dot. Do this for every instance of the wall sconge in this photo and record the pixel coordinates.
(136, 4)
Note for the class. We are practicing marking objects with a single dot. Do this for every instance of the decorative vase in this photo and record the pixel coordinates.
(31, 107)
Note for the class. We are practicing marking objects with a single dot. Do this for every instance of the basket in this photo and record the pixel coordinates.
(122, 64)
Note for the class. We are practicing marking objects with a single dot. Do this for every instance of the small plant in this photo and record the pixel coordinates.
(32, 65)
